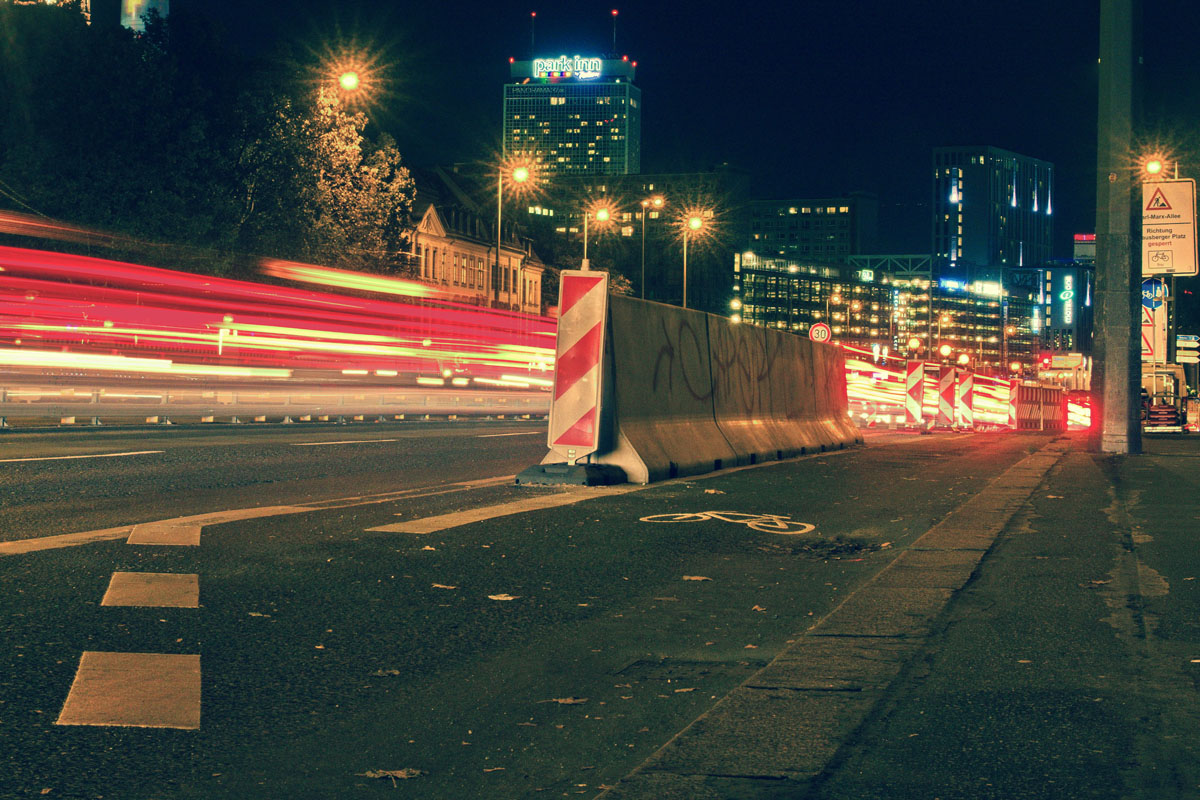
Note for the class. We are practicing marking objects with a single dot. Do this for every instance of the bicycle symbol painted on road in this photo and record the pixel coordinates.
(767, 523)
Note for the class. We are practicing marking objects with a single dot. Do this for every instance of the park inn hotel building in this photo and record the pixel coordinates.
(572, 115)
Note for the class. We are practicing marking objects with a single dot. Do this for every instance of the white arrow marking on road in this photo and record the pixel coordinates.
(95, 455)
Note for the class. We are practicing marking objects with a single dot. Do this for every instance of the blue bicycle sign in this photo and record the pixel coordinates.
(1154, 292)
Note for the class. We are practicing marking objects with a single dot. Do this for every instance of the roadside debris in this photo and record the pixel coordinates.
(393, 774)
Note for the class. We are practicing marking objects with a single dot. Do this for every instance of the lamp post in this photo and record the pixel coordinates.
(349, 80)
(602, 215)
(693, 223)
(517, 174)
(656, 201)
(834, 297)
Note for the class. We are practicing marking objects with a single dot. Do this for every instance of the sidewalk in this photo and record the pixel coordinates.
(1045, 644)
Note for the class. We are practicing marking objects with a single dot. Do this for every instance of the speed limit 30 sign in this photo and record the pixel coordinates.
(820, 332)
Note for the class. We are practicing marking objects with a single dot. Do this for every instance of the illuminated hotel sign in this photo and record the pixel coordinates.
(1065, 295)
(568, 66)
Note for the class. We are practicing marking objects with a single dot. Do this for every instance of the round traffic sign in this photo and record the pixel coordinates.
(820, 332)
(1153, 292)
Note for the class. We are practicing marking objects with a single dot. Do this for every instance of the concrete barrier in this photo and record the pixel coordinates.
(687, 393)
(829, 388)
(745, 359)
(659, 412)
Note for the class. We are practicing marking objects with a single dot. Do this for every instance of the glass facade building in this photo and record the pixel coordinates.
(906, 317)
(574, 116)
(993, 210)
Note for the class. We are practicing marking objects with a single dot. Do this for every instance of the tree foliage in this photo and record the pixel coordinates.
(170, 137)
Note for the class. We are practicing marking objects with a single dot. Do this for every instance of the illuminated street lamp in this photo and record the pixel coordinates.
(602, 214)
(349, 80)
(518, 174)
(692, 223)
(655, 202)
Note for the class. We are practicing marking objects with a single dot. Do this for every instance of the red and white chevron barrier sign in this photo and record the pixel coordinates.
(1014, 389)
(966, 399)
(914, 384)
(578, 364)
(945, 415)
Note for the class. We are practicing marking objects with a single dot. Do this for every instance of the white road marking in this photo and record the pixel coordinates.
(523, 433)
(348, 441)
(141, 690)
(153, 590)
(95, 455)
(168, 532)
(444, 521)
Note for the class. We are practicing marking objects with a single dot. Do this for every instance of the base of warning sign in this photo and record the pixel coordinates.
(571, 475)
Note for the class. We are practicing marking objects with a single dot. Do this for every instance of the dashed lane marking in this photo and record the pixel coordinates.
(153, 590)
(33, 545)
(348, 441)
(522, 433)
(92, 455)
(142, 690)
(167, 532)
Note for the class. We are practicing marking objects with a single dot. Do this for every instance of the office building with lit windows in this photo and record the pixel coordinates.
(993, 210)
(574, 115)
(828, 229)
(909, 317)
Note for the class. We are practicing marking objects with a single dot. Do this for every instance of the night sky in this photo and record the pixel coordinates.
(813, 99)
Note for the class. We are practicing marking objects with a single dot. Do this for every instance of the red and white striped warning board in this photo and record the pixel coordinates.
(966, 399)
(914, 385)
(946, 386)
(578, 364)
(1014, 388)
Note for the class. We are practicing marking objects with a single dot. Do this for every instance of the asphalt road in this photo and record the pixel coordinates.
(548, 652)
(61, 481)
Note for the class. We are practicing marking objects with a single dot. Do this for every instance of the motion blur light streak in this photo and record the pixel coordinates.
(158, 321)
(76, 314)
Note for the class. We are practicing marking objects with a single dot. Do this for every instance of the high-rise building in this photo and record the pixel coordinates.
(574, 116)
(992, 211)
(828, 229)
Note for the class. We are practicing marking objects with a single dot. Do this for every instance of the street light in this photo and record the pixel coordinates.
(602, 214)
(657, 202)
(835, 297)
(693, 223)
(518, 174)
(349, 80)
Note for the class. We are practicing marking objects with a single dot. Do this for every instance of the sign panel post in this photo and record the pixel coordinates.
(1169, 227)
(578, 367)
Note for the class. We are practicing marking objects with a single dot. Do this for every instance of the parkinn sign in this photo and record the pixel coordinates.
(581, 67)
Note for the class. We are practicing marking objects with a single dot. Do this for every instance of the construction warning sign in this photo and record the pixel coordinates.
(1169, 227)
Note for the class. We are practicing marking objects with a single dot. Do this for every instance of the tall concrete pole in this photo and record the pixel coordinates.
(1117, 369)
